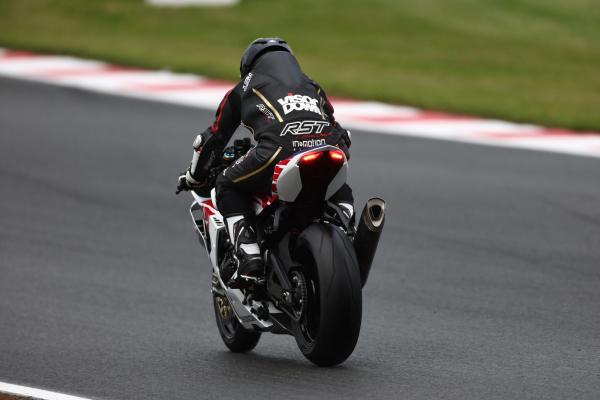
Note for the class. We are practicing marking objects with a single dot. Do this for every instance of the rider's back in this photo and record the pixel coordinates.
(282, 105)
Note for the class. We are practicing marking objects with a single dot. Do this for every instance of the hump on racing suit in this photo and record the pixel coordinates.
(278, 104)
(283, 105)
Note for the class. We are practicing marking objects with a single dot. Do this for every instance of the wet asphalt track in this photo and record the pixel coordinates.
(486, 286)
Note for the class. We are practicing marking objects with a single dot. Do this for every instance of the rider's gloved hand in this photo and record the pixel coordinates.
(186, 182)
(182, 183)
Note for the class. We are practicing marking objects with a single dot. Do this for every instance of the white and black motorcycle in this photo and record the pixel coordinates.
(316, 261)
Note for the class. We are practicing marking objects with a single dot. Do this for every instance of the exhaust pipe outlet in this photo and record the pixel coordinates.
(367, 235)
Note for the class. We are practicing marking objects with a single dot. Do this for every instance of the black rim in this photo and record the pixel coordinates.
(300, 296)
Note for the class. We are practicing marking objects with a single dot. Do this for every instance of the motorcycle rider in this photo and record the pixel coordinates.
(286, 112)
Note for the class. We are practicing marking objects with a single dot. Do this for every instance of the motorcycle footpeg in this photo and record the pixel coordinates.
(261, 312)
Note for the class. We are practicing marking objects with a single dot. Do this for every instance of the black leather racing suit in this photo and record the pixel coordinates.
(286, 112)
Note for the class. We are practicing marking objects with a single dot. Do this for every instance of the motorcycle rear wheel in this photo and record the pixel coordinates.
(328, 331)
(237, 338)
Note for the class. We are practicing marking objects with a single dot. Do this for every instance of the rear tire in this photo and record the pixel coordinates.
(328, 331)
(235, 336)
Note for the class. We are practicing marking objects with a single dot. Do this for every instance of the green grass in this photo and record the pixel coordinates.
(524, 60)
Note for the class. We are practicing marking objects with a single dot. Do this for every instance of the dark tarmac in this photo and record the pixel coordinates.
(486, 284)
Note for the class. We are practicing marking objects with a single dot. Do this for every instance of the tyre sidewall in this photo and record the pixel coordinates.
(339, 295)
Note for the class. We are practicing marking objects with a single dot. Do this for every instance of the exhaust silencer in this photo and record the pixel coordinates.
(367, 235)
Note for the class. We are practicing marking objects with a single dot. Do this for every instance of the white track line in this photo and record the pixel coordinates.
(197, 91)
(27, 391)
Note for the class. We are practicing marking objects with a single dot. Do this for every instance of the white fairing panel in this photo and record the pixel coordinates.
(289, 183)
(213, 225)
(338, 181)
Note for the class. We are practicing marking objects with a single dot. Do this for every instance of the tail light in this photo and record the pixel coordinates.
(311, 157)
(336, 156)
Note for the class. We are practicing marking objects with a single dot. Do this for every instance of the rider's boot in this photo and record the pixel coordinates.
(247, 252)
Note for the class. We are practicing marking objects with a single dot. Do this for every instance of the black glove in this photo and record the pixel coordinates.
(186, 182)
(182, 183)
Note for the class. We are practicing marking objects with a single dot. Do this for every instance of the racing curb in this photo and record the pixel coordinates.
(198, 91)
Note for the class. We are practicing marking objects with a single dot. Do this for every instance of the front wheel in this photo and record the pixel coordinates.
(235, 336)
(329, 328)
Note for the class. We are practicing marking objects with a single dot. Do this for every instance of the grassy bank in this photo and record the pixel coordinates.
(526, 60)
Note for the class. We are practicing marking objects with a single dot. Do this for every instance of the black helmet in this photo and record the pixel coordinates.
(259, 47)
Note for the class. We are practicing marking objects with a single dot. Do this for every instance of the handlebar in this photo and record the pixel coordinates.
(230, 155)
